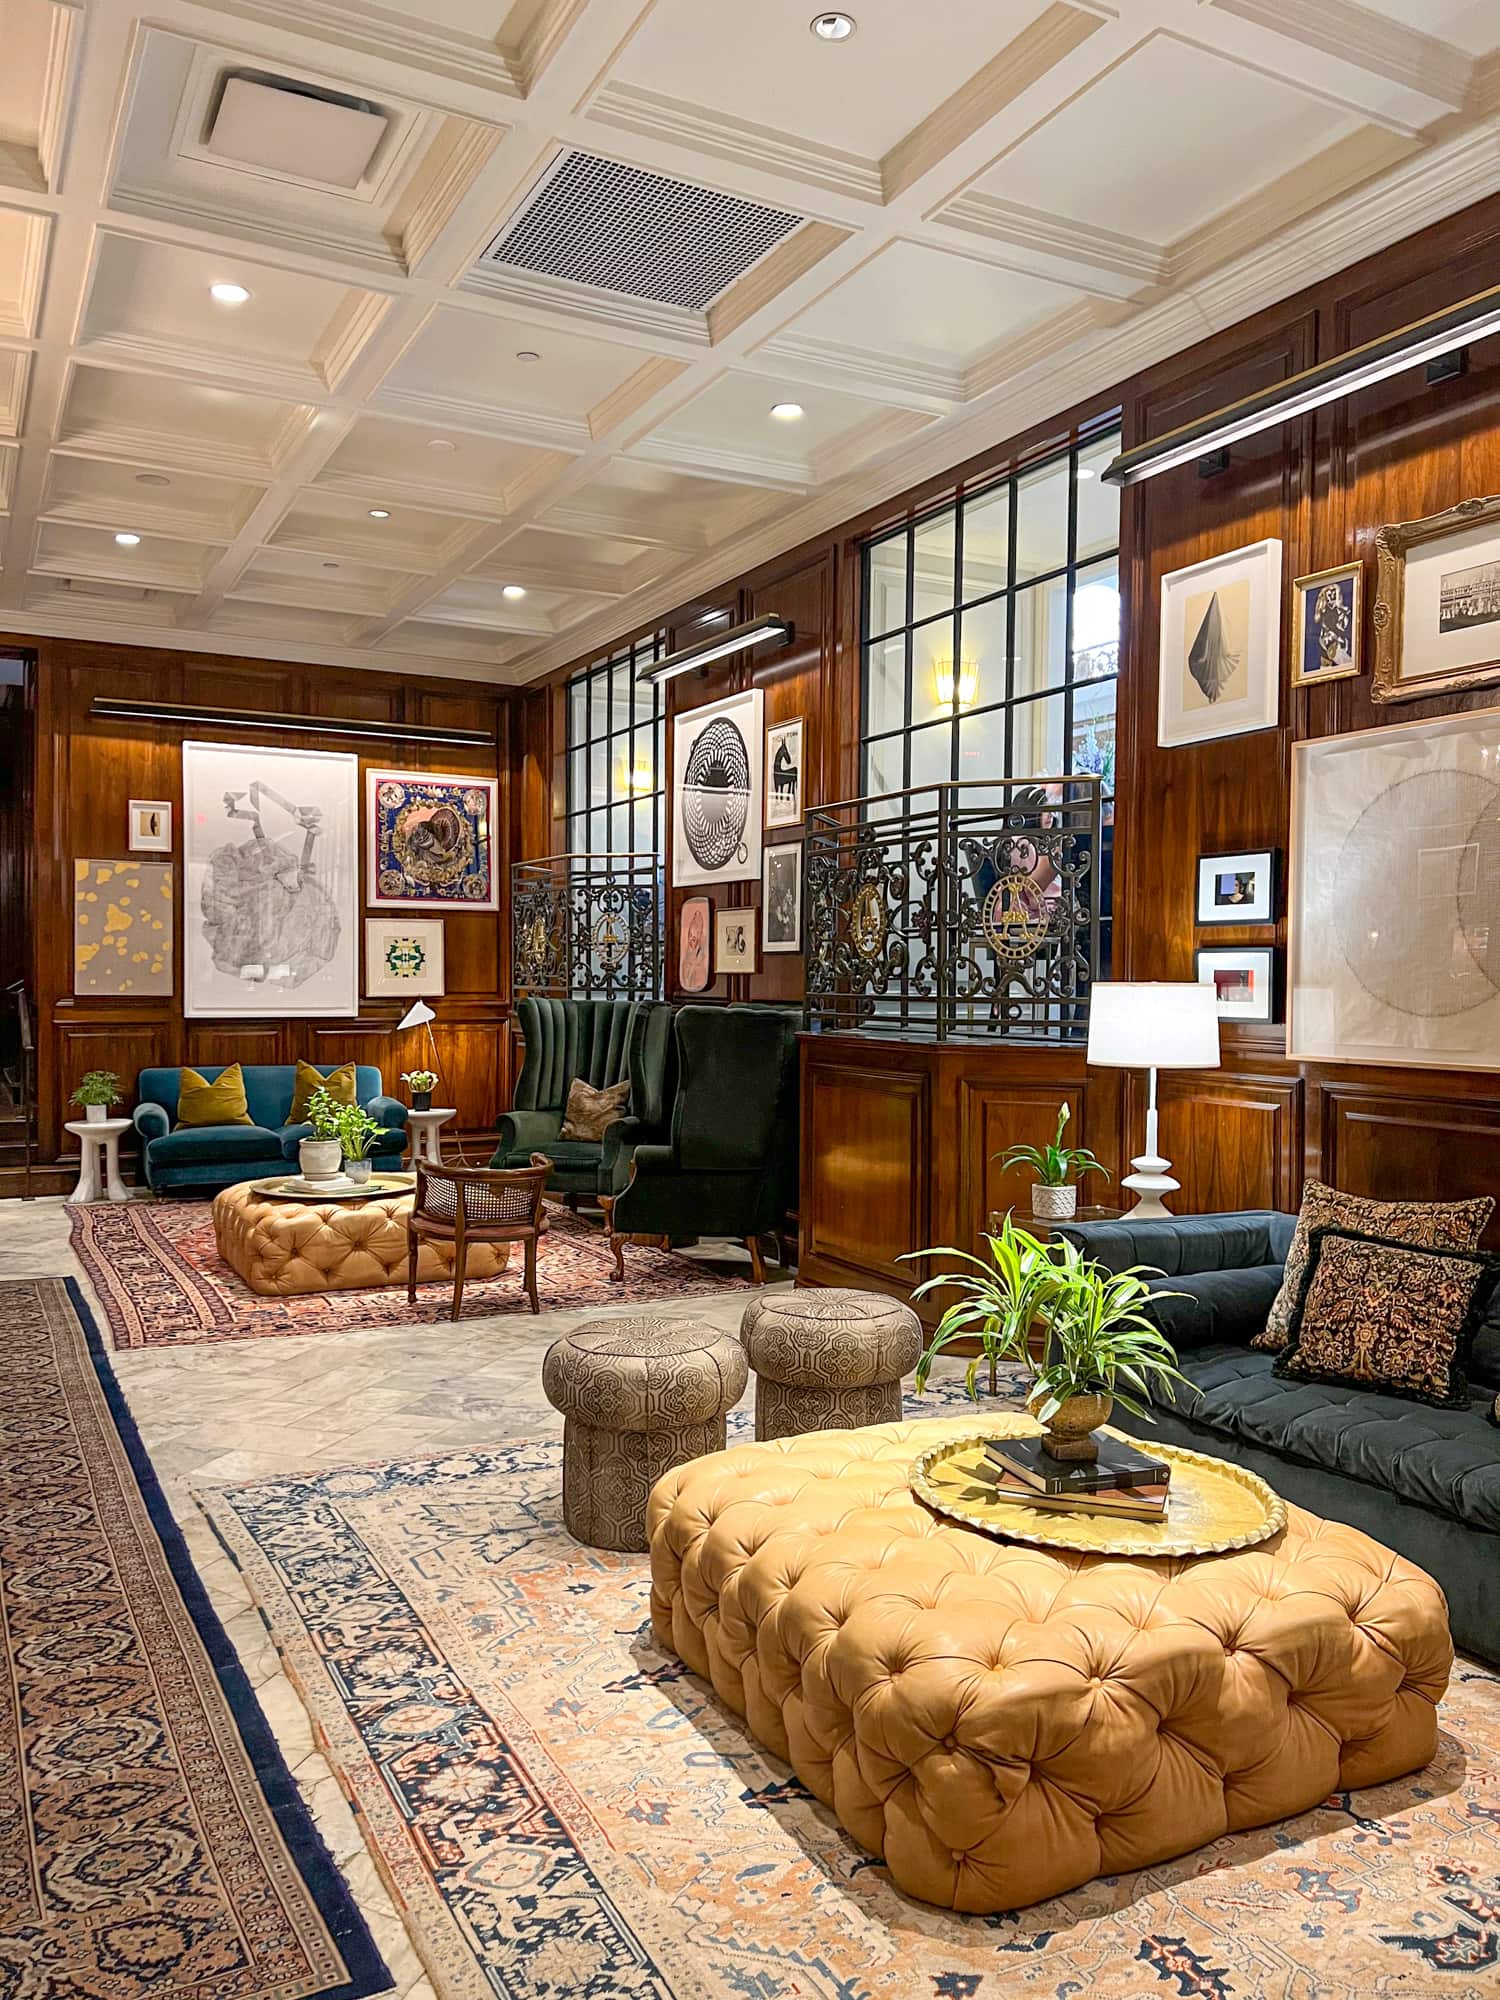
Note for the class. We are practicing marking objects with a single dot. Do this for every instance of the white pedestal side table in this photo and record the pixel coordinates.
(426, 1128)
(99, 1167)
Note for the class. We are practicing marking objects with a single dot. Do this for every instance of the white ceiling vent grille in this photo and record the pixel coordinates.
(596, 222)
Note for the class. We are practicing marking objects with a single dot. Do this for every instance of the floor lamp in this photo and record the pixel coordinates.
(1152, 1025)
(420, 1015)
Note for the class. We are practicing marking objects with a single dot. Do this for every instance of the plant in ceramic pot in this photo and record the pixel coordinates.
(996, 1303)
(97, 1090)
(1058, 1169)
(421, 1083)
(359, 1135)
(320, 1156)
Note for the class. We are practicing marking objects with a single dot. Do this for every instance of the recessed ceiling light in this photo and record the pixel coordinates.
(514, 590)
(380, 513)
(228, 295)
(441, 444)
(832, 27)
(527, 354)
(152, 479)
(128, 541)
(787, 412)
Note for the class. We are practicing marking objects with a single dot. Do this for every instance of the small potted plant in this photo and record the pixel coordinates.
(997, 1303)
(421, 1083)
(319, 1156)
(97, 1090)
(359, 1135)
(1058, 1168)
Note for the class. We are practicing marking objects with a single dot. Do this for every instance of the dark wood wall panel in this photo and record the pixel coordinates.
(866, 1138)
(1387, 1138)
(1235, 1140)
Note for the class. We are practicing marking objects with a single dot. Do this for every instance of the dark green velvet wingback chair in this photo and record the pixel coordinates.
(602, 1041)
(729, 1167)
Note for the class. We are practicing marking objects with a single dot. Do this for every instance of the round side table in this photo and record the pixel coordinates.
(99, 1167)
(427, 1134)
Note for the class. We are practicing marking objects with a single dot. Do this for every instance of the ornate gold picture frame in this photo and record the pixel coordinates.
(1437, 603)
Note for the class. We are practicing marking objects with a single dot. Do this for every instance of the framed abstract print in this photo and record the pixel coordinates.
(695, 945)
(1244, 981)
(1437, 603)
(122, 928)
(150, 826)
(1220, 666)
(270, 854)
(781, 898)
(716, 791)
(734, 941)
(1395, 895)
(784, 774)
(1237, 888)
(1327, 625)
(403, 957)
(431, 841)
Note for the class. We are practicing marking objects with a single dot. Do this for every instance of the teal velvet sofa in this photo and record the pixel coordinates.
(1425, 1482)
(208, 1157)
(603, 1042)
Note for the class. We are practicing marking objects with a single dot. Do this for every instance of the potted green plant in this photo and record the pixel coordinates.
(359, 1135)
(319, 1157)
(421, 1083)
(997, 1302)
(1058, 1169)
(97, 1090)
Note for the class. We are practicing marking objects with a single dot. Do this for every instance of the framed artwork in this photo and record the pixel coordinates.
(1437, 603)
(1244, 981)
(403, 955)
(1237, 888)
(1327, 625)
(784, 775)
(1395, 895)
(694, 945)
(151, 826)
(781, 898)
(122, 928)
(717, 756)
(734, 941)
(270, 850)
(1220, 667)
(431, 841)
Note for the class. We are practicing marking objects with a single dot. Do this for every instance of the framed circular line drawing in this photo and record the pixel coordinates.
(717, 771)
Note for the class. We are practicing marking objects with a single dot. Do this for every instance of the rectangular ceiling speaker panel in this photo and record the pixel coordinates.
(596, 222)
(285, 128)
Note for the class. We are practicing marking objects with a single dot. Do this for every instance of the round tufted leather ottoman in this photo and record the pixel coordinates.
(638, 1396)
(828, 1359)
(1001, 1723)
(286, 1248)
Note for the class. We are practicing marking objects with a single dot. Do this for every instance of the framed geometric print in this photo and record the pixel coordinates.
(403, 956)
(717, 757)
(431, 841)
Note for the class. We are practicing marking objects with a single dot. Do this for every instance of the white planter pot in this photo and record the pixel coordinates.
(357, 1170)
(320, 1159)
(96, 1113)
(1054, 1204)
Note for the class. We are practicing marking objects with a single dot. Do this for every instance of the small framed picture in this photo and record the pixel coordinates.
(781, 897)
(734, 941)
(403, 956)
(1437, 603)
(1244, 982)
(1237, 888)
(150, 826)
(1328, 613)
(693, 944)
(784, 775)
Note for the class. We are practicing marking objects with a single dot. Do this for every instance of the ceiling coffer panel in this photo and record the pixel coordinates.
(291, 128)
(596, 222)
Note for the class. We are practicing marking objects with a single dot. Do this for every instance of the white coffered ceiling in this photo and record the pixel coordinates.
(405, 452)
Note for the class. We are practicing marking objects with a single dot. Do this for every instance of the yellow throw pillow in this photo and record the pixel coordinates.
(221, 1102)
(339, 1083)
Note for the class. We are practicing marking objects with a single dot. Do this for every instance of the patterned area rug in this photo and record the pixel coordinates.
(565, 1813)
(152, 1843)
(162, 1283)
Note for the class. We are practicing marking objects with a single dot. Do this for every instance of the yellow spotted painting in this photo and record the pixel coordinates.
(122, 927)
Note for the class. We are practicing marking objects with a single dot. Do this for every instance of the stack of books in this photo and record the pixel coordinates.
(1121, 1481)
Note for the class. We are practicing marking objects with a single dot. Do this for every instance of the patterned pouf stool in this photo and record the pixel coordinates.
(639, 1396)
(828, 1360)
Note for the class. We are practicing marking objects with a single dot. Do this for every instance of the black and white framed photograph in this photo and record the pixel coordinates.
(151, 826)
(1244, 981)
(784, 775)
(1437, 603)
(734, 941)
(1327, 621)
(1220, 667)
(781, 898)
(1237, 888)
(717, 757)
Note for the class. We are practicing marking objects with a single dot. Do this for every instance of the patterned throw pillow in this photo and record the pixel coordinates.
(1391, 1316)
(590, 1111)
(1431, 1225)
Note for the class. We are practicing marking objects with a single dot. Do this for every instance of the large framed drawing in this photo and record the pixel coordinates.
(270, 843)
(716, 791)
(1437, 603)
(431, 842)
(1395, 895)
(1220, 667)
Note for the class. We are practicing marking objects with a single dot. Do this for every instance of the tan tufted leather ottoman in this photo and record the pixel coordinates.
(286, 1248)
(638, 1395)
(828, 1359)
(1001, 1723)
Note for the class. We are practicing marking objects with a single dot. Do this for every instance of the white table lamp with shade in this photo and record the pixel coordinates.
(1152, 1025)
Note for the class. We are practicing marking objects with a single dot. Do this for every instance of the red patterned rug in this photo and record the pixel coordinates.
(162, 1283)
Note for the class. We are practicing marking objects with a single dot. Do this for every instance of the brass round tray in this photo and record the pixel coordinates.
(1211, 1504)
(293, 1187)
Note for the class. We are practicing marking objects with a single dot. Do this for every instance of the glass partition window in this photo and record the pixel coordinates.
(616, 759)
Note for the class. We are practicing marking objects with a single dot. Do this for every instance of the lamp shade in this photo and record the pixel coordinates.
(1153, 1024)
(415, 1015)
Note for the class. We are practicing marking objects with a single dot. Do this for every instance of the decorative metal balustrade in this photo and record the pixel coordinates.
(961, 911)
(587, 927)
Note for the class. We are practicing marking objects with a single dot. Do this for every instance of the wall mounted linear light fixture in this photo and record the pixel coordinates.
(766, 631)
(107, 709)
(1425, 340)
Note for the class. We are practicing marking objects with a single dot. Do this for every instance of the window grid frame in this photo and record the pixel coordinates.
(597, 682)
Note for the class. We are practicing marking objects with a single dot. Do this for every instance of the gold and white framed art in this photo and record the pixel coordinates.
(781, 898)
(734, 941)
(403, 957)
(1395, 895)
(1220, 662)
(1328, 625)
(1437, 603)
(150, 826)
(783, 775)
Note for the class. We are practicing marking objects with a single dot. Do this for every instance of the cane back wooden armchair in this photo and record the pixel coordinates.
(464, 1205)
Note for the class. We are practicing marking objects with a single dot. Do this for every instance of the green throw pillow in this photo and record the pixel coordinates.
(221, 1102)
(339, 1083)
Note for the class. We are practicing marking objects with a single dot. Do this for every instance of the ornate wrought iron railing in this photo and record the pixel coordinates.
(587, 927)
(961, 911)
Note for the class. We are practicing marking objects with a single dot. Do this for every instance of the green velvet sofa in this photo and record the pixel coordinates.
(603, 1042)
(1425, 1482)
(209, 1157)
